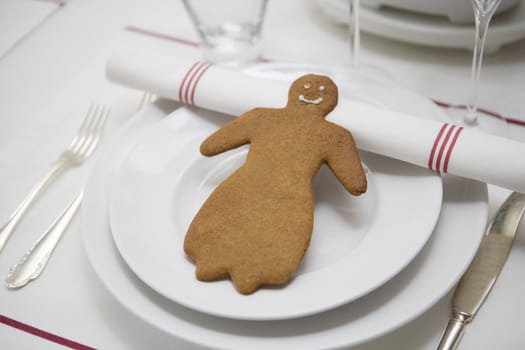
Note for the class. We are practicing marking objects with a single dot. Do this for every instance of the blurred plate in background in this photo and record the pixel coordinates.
(437, 31)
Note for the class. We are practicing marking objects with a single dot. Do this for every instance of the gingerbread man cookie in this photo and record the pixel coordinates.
(256, 225)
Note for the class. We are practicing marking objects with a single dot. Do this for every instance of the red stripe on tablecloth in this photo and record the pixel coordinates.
(434, 146)
(188, 87)
(161, 35)
(482, 110)
(43, 334)
(56, 2)
(444, 147)
(207, 66)
(451, 148)
(515, 121)
(172, 38)
(182, 84)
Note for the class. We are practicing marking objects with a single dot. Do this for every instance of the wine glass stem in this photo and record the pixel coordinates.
(354, 31)
(482, 24)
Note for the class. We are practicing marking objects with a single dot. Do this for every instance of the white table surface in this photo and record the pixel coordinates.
(47, 82)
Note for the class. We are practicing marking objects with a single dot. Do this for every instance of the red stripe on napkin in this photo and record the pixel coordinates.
(443, 146)
(206, 67)
(43, 334)
(190, 81)
(452, 144)
(189, 87)
(183, 83)
(434, 147)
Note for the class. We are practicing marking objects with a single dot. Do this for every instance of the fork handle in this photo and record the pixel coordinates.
(35, 259)
(7, 229)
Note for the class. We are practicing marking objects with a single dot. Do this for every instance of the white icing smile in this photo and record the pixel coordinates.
(306, 100)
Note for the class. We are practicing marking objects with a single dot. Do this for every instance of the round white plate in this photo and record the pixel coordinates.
(415, 289)
(358, 243)
(406, 26)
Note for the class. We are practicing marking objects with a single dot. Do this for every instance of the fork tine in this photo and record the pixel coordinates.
(83, 144)
(81, 147)
(93, 133)
(92, 109)
(96, 131)
(86, 124)
(88, 119)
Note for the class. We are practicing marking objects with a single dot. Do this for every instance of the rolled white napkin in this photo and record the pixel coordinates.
(442, 147)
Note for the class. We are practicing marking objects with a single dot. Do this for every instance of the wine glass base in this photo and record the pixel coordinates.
(488, 122)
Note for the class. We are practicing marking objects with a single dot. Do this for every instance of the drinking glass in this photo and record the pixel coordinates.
(230, 30)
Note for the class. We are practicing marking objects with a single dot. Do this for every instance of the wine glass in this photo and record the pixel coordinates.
(354, 31)
(483, 12)
(470, 115)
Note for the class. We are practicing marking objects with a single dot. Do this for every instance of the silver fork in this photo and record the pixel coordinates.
(33, 262)
(81, 147)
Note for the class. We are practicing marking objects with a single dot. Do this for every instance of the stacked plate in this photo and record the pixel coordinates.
(395, 22)
(375, 262)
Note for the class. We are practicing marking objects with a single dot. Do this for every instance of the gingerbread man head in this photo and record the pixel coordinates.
(315, 93)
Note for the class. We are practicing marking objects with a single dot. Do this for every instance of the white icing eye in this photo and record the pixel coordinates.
(321, 88)
(307, 85)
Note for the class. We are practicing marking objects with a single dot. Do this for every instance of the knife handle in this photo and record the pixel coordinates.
(453, 332)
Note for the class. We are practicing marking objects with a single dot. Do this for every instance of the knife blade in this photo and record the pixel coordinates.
(478, 280)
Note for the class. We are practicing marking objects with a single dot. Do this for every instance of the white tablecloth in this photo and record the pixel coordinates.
(49, 80)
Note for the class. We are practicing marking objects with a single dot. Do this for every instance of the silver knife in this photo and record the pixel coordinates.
(481, 275)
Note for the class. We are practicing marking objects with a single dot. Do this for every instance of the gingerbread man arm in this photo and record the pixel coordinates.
(232, 135)
(343, 159)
